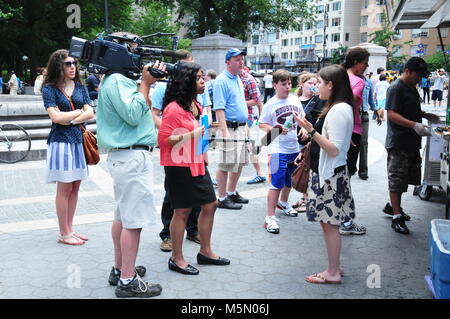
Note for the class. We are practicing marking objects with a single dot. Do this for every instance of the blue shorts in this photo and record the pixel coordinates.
(281, 167)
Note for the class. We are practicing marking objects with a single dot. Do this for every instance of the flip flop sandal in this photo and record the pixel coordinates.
(63, 240)
(80, 236)
(300, 203)
(319, 279)
(301, 209)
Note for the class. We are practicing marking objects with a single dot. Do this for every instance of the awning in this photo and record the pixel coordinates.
(441, 18)
(413, 14)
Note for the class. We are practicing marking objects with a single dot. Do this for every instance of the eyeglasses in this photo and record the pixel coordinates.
(70, 63)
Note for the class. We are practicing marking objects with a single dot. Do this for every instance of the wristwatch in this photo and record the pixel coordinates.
(310, 134)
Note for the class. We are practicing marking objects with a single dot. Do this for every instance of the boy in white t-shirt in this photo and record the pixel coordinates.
(283, 150)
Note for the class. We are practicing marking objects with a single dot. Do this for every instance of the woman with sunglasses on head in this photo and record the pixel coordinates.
(68, 105)
(187, 178)
(331, 201)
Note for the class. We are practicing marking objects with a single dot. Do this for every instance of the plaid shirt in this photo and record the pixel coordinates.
(250, 88)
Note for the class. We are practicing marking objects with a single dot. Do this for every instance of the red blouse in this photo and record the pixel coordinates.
(175, 120)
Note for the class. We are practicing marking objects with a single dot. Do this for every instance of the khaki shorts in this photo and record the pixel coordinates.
(233, 155)
(132, 173)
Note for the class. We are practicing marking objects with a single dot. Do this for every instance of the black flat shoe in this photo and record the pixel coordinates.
(203, 260)
(189, 270)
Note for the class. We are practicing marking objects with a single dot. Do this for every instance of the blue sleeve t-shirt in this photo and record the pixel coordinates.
(53, 97)
(228, 95)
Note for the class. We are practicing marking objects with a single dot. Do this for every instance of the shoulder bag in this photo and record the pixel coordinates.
(300, 177)
(90, 147)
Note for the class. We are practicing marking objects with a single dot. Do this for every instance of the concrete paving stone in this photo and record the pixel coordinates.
(19, 291)
(74, 293)
(222, 295)
(103, 293)
(208, 286)
(239, 269)
(236, 286)
(278, 279)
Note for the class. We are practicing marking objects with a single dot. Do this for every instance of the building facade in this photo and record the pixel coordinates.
(337, 25)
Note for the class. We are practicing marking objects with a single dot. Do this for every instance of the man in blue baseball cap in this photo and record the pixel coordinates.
(231, 113)
(234, 52)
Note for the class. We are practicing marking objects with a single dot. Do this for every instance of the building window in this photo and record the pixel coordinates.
(335, 22)
(319, 24)
(365, 4)
(272, 37)
(381, 2)
(284, 55)
(290, 54)
(292, 42)
(335, 37)
(364, 20)
(255, 39)
(320, 9)
(444, 32)
(397, 50)
(363, 37)
(336, 6)
(347, 37)
(297, 54)
(308, 26)
(417, 33)
(398, 34)
(285, 42)
(318, 39)
(298, 41)
(380, 17)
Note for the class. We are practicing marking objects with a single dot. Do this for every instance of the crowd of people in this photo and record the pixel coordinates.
(329, 114)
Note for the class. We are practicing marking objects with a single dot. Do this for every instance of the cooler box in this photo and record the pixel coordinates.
(439, 242)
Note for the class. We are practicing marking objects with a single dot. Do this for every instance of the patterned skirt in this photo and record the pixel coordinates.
(65, 163)
(333, 203)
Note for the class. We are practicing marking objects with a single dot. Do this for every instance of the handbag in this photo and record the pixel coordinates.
(90, 147)
(300, 177)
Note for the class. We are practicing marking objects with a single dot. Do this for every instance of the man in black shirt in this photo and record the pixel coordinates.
(404, 136)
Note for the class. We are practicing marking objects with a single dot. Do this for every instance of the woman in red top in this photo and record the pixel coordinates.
(187, 178)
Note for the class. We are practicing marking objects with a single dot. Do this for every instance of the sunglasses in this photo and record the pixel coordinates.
(70, 63)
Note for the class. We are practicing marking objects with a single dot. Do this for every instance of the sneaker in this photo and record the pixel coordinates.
(389, 211)
(287, 210)
(353, 229)
(166, 245)
(238, 198)
(257, 179)
(138, 288)
(271, 225)
(399, 225)
(228, 203)
(114, 275)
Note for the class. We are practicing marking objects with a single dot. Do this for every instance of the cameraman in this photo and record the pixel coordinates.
(125, 127)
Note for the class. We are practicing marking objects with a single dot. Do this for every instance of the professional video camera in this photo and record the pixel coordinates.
(122, 54)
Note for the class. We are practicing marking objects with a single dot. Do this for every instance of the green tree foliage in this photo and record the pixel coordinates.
(338, 55)
(437, 61)
(234, 17)
(36, 28)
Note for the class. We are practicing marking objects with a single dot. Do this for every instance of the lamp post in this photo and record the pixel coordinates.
(106, 17)
(25, 59)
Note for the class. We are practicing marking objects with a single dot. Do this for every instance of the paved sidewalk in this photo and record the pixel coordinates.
(263, 265)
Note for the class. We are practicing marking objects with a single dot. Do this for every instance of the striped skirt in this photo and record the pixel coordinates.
(65, 163)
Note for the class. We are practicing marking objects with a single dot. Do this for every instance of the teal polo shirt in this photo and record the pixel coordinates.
(123, 117)
(228, 95)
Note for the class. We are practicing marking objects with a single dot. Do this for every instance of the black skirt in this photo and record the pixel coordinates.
(186, 191)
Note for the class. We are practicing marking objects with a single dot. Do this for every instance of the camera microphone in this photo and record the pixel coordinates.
(158, 51)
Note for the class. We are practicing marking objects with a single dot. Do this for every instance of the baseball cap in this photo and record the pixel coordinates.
(234, 52)
(416, 64)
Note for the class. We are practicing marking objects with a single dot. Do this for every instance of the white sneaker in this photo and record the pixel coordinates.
(271, 225)
(287, 210)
